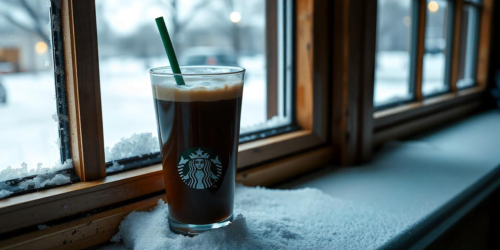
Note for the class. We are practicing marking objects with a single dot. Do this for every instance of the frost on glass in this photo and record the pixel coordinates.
(29, 132)
(202, 33)
(392, 65)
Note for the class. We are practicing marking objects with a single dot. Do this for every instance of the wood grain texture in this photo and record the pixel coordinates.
(61, 202)
(484, 44)
(457, 34)
(304, 63)
(83, 88)
(353, 52)
(79, 234)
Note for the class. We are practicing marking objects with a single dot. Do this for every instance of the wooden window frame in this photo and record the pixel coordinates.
(334, 40)
(426, 112)
(260, 162)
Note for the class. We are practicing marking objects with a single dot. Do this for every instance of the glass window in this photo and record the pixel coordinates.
(204, 32)
(393, 52)
(29, 124)
(435, 65)
(468, 46)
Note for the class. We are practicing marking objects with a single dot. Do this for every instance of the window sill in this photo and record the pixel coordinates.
(426, 185)
(20, 215)
(392, 116)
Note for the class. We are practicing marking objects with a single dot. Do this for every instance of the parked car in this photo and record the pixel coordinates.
(3, 94)
(209, 56)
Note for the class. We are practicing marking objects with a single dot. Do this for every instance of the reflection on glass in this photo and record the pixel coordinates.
(436, 49)
(392, 67)
(28, 124)
(468, 47)
(204, 32)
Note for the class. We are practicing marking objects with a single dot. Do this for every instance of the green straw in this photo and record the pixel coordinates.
(169, 48)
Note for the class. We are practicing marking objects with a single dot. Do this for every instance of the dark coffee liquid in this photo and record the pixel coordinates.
(202, 130)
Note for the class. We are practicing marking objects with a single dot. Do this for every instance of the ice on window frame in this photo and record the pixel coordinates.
(43, 177)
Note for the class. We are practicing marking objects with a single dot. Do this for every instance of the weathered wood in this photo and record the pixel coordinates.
(60, 202)
(81, 233)
(353, 52)
(83, 88)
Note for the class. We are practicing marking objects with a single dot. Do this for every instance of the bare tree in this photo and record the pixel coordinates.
(37, 19)
(180, 24)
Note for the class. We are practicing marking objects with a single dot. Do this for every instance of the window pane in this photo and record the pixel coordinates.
(468, 46)
(29, 133)
(203, 32)
(436, 48)
(392, 67)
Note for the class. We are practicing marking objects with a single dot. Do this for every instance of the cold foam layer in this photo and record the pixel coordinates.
(198, 91)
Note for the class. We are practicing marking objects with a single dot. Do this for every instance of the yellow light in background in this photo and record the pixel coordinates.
(41, 48)
(235, 17)
(407, 21)
(433, 6)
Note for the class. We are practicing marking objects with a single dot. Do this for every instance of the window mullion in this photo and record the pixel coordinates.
(84, 96)
(483, 47)
(455, 56)
(420, 49)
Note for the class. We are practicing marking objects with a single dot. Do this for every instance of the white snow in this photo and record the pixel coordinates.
(274, 122)
(114, 168)
(44, 176)
(269, 219)
(16, 173)
(135, 145)
(4, 193)
(45, 179)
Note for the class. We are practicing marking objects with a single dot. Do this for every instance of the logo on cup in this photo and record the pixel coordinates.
(199, 168)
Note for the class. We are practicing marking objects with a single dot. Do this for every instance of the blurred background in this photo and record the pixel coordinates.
(213, 32)
(222, 32)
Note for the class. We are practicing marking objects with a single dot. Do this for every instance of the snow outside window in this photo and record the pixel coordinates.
(29, 123)
(204, 32)
(393, 52)
(437, 35)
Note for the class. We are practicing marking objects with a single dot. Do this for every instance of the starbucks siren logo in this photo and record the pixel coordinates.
(199, 168)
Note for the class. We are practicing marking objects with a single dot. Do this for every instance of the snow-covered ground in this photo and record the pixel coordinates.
(127, 100)
(28, 131)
